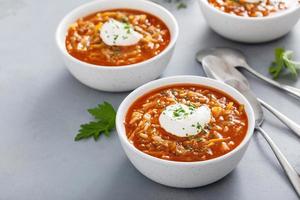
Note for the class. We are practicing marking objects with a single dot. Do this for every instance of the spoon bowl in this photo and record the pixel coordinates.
(216, 67)
(235, 59)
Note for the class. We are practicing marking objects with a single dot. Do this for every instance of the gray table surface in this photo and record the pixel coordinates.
(42, 106)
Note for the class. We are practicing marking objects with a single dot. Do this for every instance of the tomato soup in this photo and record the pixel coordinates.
(117, 37)
(186, 123)
(252, 8)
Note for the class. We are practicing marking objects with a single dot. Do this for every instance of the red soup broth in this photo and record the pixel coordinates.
(83, 40)
(225, 131)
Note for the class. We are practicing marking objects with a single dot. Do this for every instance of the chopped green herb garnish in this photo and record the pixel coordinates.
(179, 112)
(191, 107)
(127, 27)
(198, 126)
(116, 37)
(176, 114)
(104, 123)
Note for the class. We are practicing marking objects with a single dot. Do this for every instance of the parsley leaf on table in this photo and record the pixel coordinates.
(283, 60)
(181, 5)
(104, 112)
(293, 66)
(105, 121)
(277, 65)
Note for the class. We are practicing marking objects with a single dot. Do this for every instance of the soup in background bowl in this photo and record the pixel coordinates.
(253, 8)
(251, 22)
(183, 145)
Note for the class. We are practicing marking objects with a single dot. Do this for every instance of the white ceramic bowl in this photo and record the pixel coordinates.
(183, 174)
(250, 30)
(122, 78)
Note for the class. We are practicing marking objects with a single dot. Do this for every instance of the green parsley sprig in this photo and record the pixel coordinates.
(104, 115)
(180, 4)
(283, 61)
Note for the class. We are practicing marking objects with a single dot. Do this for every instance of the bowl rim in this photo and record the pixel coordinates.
(134, 95)
(267, 18)
(174, 34)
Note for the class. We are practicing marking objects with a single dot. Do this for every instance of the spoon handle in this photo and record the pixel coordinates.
(289, 170)
(287, 88)
(287, 121)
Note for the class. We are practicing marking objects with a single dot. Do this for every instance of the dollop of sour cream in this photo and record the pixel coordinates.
(183, 121)
(115, 33)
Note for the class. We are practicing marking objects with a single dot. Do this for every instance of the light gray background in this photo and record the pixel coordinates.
(42, 106)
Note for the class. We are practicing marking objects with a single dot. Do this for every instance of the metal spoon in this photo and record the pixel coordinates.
(227, 72)
(236, 59)
(215, 71)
